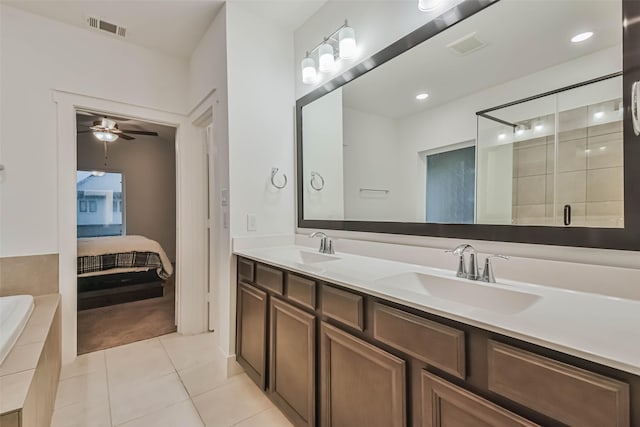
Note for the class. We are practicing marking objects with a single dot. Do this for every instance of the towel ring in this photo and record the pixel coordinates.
(274, 171)
(313, 180)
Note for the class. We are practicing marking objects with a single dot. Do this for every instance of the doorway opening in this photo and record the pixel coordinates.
(126, 230)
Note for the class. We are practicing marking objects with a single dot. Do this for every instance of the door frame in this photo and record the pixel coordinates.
(190, 261)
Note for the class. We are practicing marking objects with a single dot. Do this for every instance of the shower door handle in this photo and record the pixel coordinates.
(567, 214)
(635, 107)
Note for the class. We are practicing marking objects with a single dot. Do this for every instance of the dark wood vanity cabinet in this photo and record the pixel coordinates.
(251, 331)
(361, 385)
(445, 404)
(292, 353)
(334, 357)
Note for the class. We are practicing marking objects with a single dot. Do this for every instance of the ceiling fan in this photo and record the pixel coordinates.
(107, 130)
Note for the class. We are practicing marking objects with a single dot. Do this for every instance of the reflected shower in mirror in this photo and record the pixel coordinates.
(497, 120)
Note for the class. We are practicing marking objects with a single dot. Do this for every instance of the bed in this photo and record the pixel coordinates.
(116, 269)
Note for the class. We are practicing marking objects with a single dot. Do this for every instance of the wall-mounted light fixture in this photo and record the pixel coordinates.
(340, 44)
(428, 5)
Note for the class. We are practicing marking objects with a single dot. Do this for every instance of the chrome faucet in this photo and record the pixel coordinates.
(487, 271)
(326, 245)
(470, 270)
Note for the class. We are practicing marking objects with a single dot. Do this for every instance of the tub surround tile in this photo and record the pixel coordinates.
(21, 358)
(32, 275)
(14, 389)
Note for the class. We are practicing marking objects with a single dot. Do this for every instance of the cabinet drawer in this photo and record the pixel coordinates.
(245, 270)
(343, 306)
(445, 404)
(438, 345)
(269, 278)
(568, 394)
(301, 290)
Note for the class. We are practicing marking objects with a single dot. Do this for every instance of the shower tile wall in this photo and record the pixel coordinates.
(590, 178)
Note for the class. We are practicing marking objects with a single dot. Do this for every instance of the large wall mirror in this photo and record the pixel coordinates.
(514, 124)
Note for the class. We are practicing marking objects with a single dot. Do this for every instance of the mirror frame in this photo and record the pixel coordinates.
(627, 238)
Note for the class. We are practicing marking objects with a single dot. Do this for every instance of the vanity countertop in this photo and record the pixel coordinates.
(602, 329)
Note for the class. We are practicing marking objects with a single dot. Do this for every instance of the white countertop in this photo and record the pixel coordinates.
(598, 328)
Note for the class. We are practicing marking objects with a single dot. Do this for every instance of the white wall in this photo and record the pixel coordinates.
(371, 162)
(323, 153)
(261, 112)
(253, 131)
(39, 55)
(208, 75)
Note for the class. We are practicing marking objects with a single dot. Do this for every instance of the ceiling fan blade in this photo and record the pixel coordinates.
(84, 131)
(125, 137)
(140, 132)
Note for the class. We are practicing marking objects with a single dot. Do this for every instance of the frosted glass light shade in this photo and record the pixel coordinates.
(105, 136)
(347, 43)
(309, 73)
(428, 5)
(326, 59)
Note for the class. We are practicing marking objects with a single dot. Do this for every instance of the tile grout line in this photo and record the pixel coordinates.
(189, 397)
(106, 373)
(252, 416)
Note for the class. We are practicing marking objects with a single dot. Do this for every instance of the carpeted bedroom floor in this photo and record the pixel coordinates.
(106, 327)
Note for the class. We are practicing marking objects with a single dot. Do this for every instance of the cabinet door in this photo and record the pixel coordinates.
(445, 404)
(251, 344)
(292, 374)
(361, 385)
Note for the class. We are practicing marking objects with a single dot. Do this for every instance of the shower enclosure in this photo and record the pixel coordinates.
(554, 159)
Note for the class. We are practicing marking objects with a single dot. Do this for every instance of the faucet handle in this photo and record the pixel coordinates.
(487, 272)
(462, 267)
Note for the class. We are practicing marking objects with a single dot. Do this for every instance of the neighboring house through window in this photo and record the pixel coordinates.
(100, 207)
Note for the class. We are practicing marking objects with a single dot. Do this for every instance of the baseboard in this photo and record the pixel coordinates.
(233, 367)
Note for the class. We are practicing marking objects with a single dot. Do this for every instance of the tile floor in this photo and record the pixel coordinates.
(170, 381)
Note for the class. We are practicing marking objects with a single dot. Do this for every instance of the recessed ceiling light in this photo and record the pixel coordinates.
(422, 96)
(603, 148)
(582, 37)
(538, 128)
(598, 115)
(502, 135)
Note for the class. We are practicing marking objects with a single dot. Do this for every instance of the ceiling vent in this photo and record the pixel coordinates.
(108, 27)
(466, 45)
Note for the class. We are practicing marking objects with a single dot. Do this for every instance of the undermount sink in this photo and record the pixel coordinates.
(303, 258)
(474, 294)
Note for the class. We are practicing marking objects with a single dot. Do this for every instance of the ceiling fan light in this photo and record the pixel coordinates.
(105, 136)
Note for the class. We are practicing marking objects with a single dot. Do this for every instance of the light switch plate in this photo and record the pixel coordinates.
(251, 222)
(224, 197)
